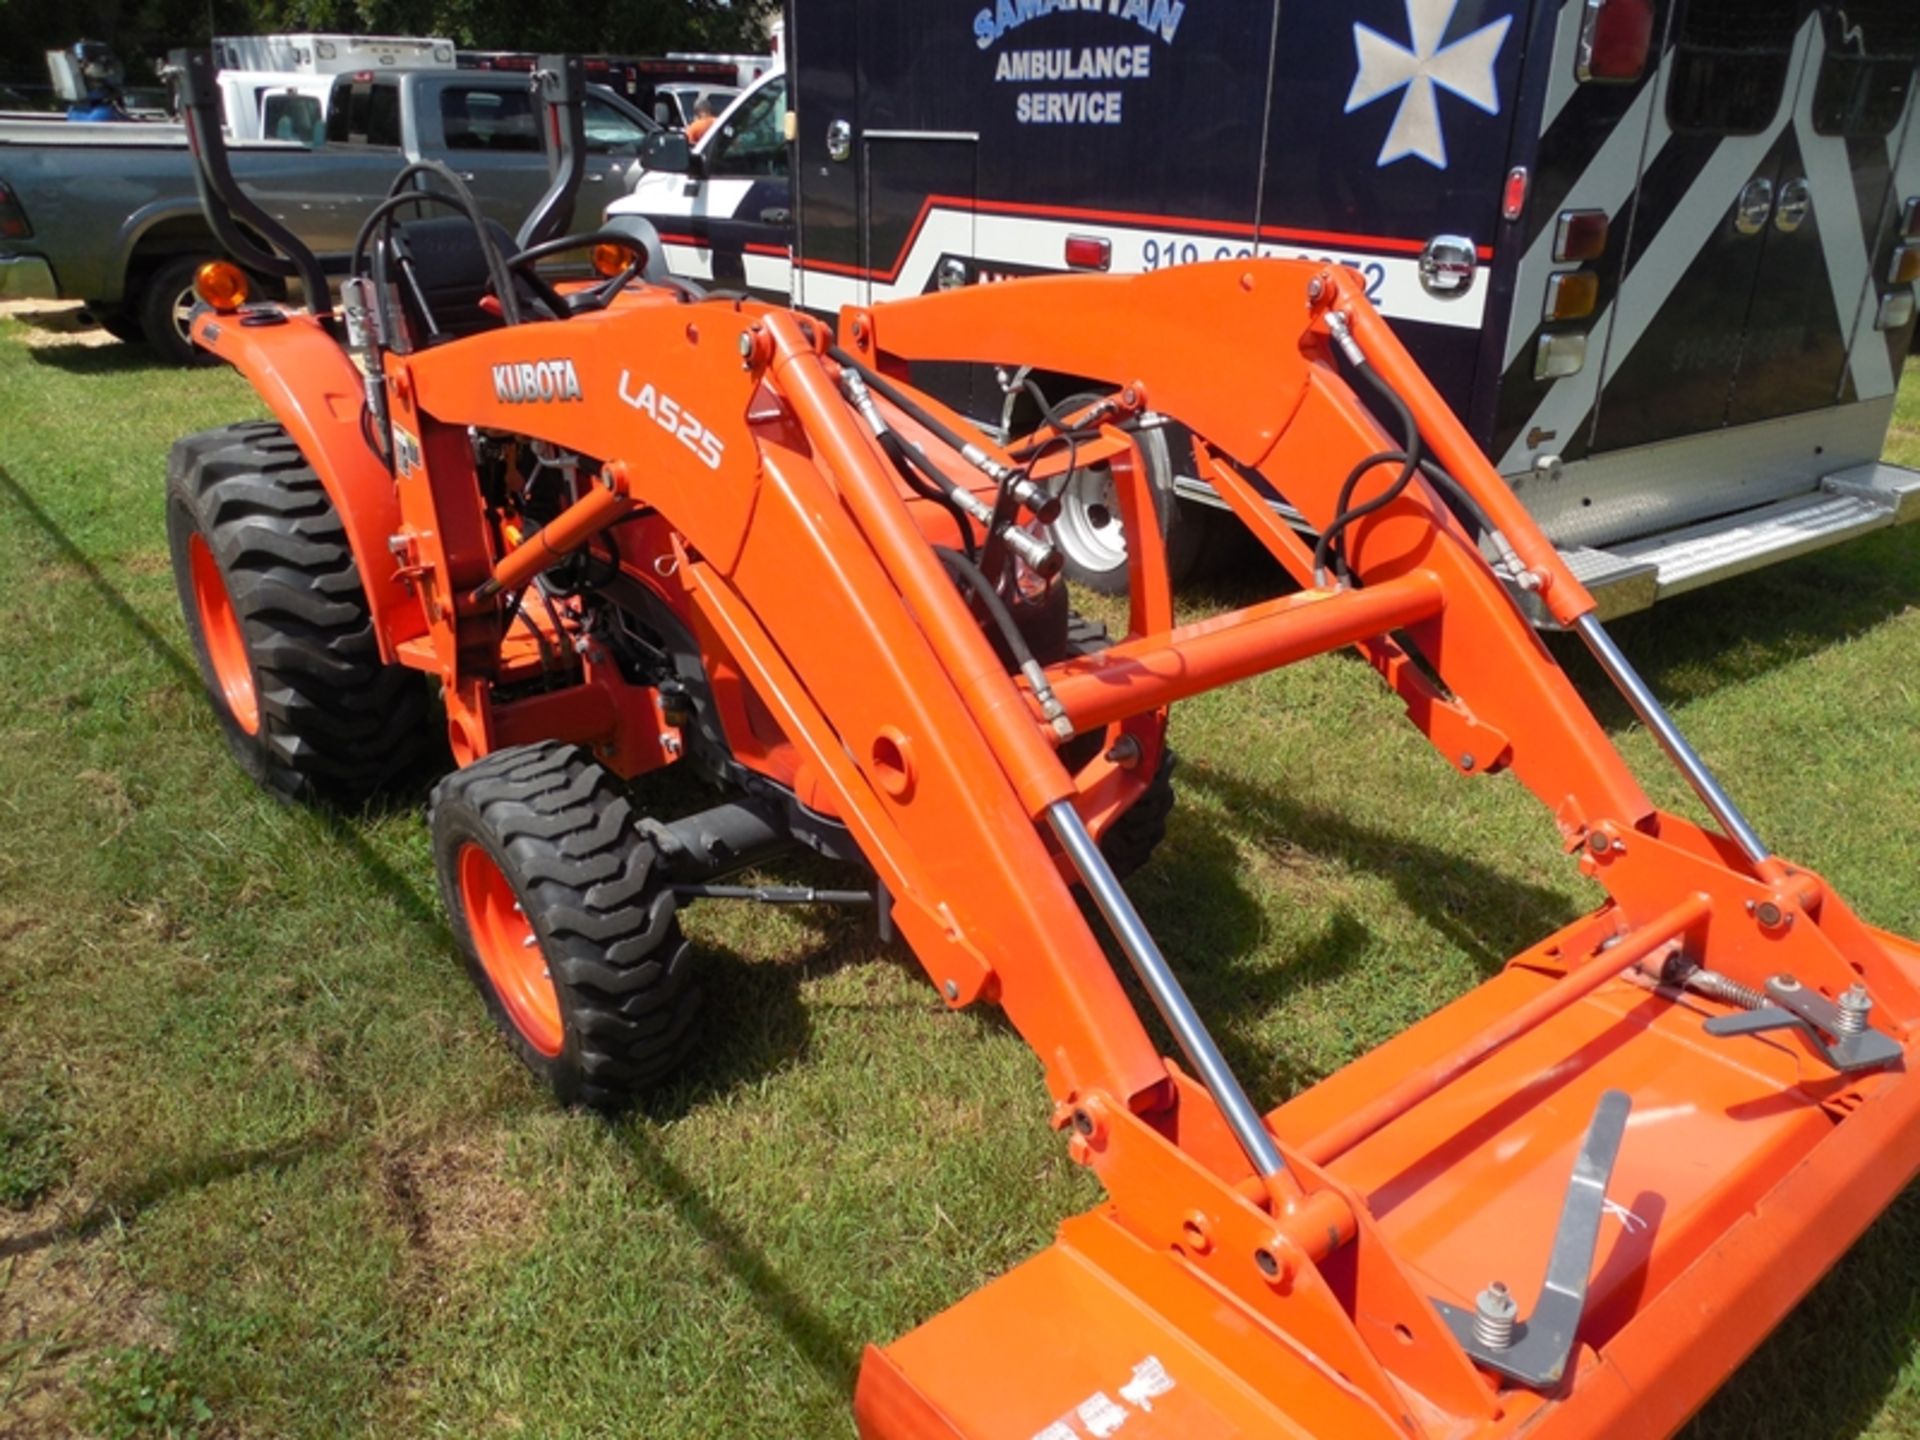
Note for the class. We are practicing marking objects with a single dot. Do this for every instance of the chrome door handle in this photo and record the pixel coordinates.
(594, 177)
(839, 140)
(1755, 204)
(1796, 203)
(776, 215)
(466, 175)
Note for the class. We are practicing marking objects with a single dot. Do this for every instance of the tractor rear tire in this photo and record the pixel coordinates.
(280, 623)
(566, 921)
(1132, 838)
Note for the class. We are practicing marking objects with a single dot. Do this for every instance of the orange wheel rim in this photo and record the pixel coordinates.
(509, 951)
(226, 644)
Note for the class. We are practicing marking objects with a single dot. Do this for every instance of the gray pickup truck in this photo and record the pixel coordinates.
(116, 221)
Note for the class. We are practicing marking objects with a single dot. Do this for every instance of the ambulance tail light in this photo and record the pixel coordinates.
(1089, 252)
(1906, 265)
(1616, 37)
(1580, 235)
(1572, 296)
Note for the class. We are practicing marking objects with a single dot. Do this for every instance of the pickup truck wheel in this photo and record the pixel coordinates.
(116, 322)
(280, 623)
(1089, 532)
(567, 924)
(166, 311)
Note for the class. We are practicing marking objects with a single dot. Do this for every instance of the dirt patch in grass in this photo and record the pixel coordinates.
(46, 323)
(66, 1301)
(454, 1201)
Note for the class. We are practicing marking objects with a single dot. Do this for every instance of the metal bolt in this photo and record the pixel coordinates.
(1599, 844)
(1316, 287)
(1124, 753)
(1467, 761)
(1494, 1314)
(1767, 913)
(1083, 1122)
(1268, 1262)
(951, 989)
(1855, 1006)
(746, 344)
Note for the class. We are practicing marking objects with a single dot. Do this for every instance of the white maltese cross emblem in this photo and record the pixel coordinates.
(1465, 67)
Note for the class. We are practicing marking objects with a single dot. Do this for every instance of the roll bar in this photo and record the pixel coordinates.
(226, 206)
(559, 87)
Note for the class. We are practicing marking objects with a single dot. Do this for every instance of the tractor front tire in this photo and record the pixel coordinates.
(566, 921)
(1133, 837)
(280, 623)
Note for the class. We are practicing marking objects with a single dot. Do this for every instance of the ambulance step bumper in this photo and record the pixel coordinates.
(1633, 575)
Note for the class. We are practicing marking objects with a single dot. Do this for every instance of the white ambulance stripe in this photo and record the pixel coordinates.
(1847, 250)
(1647, 288)
(1566, 45)
(772, 273)
(1040, 243)
(695, 262)
(1603, 185)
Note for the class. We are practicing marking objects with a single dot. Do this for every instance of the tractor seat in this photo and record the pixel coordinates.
(443, 276)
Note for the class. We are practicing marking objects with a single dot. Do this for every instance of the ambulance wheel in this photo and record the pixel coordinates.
(1089, 532)
(566, 922)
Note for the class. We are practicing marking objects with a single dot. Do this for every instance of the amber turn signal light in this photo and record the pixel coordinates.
(611, 260)
(1906, 265)
(222, 284)
(1572, 296)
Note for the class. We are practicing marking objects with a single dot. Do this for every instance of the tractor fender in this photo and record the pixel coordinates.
(311, 385)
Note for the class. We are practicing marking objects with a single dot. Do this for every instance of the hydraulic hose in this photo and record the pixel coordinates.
(969, 574)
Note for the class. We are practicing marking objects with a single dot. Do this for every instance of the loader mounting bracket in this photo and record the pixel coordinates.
(1541, 1344)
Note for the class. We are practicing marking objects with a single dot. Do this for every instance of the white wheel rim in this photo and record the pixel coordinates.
(1089, 529)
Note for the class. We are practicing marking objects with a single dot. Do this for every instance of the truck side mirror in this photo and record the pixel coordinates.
(669, 154)
(663, 112)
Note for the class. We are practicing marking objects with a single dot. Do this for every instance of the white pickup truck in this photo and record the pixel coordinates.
(114, 219)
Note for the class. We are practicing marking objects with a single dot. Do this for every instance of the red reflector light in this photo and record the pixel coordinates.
(1582, 235)
(1906, 265)
(13, 220)
(1089, 252)
(1615, 38)
(1513, 200)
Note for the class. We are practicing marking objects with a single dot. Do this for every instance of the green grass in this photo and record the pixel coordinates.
(247, 1095)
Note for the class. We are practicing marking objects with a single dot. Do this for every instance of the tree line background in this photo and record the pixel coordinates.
(142, 31)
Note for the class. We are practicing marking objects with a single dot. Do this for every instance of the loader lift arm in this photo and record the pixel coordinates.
(1260, 1273)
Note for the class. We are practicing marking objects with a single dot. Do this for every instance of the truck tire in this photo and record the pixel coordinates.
(166, 307)
(567, 925)
(1089, 532)
(280, 623)
(1131, 840)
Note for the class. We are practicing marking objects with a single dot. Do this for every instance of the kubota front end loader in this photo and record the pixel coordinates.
(624, 525)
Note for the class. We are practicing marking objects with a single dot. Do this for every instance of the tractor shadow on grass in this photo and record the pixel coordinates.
(1195, 895)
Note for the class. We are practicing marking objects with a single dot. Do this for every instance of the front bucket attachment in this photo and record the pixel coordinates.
(1654, 1188)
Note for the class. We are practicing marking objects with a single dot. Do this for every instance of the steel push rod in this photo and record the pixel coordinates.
(1169, 996)
(1655, 717)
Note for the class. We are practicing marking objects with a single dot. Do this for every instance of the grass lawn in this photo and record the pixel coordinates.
(266, 1171)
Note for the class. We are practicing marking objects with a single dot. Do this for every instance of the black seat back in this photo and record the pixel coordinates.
(441, 272)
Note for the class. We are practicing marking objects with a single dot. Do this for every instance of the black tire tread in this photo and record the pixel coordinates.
(564, 832)
(1131, 840)
(336, 723)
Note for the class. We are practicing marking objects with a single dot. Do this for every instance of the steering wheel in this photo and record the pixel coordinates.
(597, 298)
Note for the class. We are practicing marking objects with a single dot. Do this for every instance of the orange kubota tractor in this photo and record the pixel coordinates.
(625, 525)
